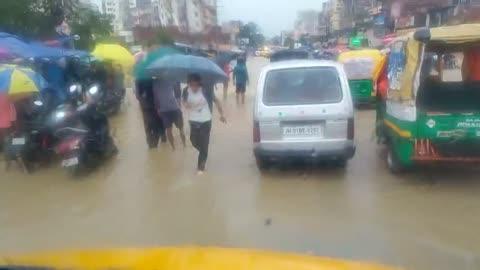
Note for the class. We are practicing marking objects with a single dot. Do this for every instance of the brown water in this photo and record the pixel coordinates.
(428, 219)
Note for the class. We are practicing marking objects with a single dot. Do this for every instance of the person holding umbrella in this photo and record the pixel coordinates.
(198, 101)
(198, 98)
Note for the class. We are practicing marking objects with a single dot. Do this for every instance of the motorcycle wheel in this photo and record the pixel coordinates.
(74, 171)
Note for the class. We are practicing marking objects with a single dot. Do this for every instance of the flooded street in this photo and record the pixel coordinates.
(426, 219)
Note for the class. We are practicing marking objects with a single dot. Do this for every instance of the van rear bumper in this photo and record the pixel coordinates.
(345, 150)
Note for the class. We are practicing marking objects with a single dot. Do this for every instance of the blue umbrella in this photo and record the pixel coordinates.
(25, 49)
(177, 67)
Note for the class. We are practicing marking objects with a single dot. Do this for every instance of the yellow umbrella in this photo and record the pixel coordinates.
(116, 54)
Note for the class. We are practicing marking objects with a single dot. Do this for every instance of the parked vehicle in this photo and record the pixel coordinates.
(290, 54)
(31, 143)
(303, 109)
(360, 66)
(432, 112)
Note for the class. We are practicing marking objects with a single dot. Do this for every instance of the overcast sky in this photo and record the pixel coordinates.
(272, 16)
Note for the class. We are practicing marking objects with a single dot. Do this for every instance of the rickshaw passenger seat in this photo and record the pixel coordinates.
(434, 95)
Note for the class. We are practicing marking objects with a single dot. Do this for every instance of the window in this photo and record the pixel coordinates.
(301, 86)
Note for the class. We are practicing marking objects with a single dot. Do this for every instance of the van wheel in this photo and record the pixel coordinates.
(262, 163)
(393, 163)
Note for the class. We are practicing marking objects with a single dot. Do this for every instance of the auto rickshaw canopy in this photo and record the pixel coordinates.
(362, 64)
(406, 55)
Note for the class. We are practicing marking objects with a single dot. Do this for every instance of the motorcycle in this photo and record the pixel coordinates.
(111, 99)
(31, 143)
(83, 134)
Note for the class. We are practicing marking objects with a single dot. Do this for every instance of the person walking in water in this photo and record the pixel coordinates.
(227, 69)
(198, 102)
(240, 79)
(153, 125)
(168, 108)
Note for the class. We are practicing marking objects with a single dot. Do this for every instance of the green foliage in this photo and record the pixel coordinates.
(289, 42)
(252, 31)
(163, 38)
(91, 26)
(38, 18)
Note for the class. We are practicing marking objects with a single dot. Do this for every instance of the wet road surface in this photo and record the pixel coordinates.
(428, 219)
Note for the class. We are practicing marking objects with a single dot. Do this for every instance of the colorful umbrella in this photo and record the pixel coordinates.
(19, 81)
(116, 54)
(5, 54)
(140, 69)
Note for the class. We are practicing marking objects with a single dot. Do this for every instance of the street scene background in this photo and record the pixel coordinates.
(425, 219)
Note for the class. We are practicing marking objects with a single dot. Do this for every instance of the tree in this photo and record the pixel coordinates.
(162, 37)
(91, 26)
(252, 31)
(35, 18)
(289, 42)
(38, 19)
(276, 41)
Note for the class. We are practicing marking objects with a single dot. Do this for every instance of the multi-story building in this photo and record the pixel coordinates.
(307, 22)
(232, 28)
(90, 4)
(119, 10)
(420, 13)
(337, 17)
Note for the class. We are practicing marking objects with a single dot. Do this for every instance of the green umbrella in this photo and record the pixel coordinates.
(140, 69)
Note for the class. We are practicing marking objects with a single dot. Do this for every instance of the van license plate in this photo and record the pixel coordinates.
(70, 162)
(302, 131)
(18, 141)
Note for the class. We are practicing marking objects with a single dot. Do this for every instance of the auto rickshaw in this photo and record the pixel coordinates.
(360, 66)
(432, 112)
(188, 258)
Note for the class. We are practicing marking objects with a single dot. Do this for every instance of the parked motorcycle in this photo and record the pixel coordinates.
(31, 142)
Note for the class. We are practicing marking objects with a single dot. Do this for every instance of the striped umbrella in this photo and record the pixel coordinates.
(18, 81)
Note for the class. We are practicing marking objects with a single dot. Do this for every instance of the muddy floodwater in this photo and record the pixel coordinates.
(427, 219)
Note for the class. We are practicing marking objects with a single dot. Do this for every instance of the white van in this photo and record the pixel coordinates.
(303, 108)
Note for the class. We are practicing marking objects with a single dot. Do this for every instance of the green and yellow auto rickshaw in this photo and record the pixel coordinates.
(432, 112)
(360, 66)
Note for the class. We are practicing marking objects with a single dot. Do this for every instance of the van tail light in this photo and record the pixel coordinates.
(256, 132)
(351, 129)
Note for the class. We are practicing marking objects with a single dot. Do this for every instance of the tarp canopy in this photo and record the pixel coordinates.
(456, 33)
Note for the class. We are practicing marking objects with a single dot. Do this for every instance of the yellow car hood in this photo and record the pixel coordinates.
(188, 258)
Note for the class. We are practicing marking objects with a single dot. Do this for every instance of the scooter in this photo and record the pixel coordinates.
(83, 141)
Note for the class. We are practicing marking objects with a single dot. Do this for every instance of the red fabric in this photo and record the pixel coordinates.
(473, 64)
(7, 112)
(382, 85)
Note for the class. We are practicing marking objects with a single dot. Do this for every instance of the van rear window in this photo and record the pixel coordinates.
(302, 86)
